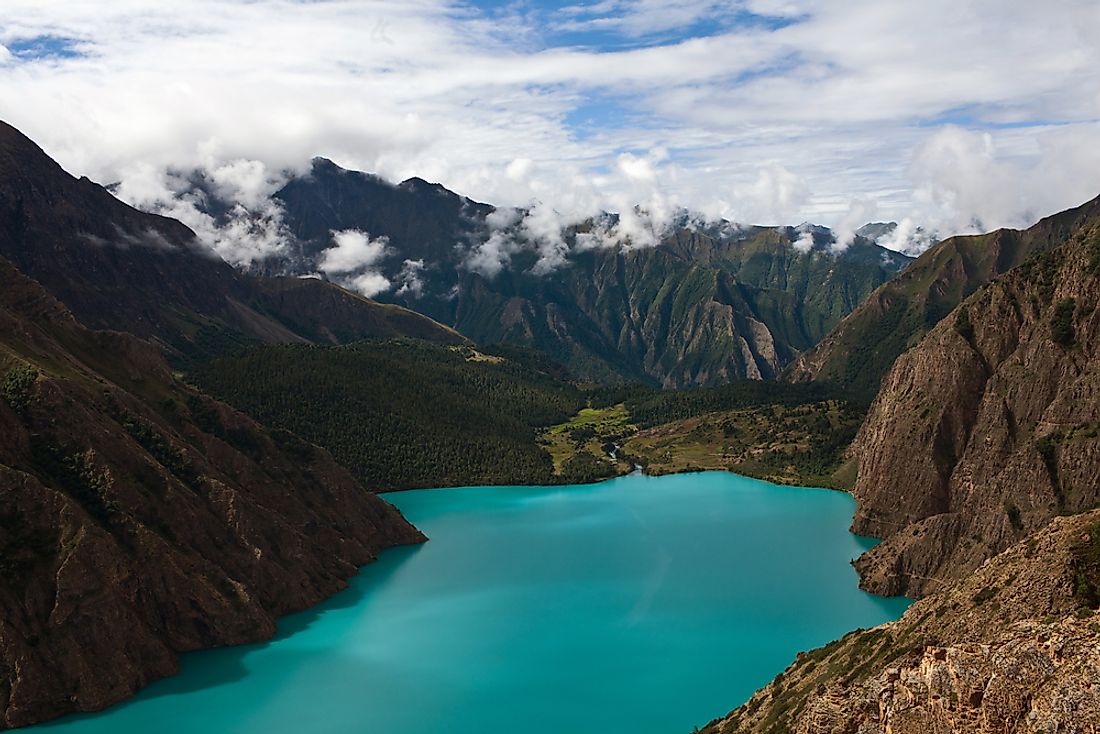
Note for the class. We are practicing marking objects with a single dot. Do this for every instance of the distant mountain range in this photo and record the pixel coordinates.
(708, 304)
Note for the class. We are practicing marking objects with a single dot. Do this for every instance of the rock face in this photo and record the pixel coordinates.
(988, 428)
(860, 350)
(1013, 648)
(705, 306)
(118, 268)
(139, 518)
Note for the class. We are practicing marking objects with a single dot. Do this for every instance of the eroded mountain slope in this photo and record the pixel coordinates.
(140, 519)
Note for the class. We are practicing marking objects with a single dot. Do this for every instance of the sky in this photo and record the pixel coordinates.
(951, 115)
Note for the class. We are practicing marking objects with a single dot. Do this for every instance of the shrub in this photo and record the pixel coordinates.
(1061, 322)
(17, 388)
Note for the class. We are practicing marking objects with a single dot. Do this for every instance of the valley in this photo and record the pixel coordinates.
(193, 451)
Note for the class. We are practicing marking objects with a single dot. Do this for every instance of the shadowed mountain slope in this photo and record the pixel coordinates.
(118, 268)
(140, 519)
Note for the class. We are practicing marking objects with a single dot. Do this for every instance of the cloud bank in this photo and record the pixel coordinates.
(955, 116)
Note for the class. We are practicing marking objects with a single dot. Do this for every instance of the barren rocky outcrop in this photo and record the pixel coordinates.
(988, 428)
(1013, 648)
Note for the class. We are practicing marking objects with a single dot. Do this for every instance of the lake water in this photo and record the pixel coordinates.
(642, 605)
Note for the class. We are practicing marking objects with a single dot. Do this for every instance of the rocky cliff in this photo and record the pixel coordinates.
(988, 428)
(860, 350)
(140, 519)
(1013, 648)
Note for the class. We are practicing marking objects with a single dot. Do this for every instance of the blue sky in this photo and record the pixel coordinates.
(939, 114)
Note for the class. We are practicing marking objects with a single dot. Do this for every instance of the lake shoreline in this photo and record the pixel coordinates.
(663, 592)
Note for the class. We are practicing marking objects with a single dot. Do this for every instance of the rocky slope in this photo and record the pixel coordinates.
(118, 268)
(988, 428)
(709, 304)
(860, 350)
(140, 519)
(1013, 648)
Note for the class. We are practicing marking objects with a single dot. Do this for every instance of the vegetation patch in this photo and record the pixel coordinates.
(401, 414)
(985, 595)
(963, 325)
(17, 388)
(800, 444)
(1061, 322)
(1086, 568)
(580, 448)
(76, 475)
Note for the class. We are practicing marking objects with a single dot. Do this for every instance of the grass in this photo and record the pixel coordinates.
(588, 432)
(801, 444)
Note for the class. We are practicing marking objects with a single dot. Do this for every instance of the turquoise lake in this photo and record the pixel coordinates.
(643, 605)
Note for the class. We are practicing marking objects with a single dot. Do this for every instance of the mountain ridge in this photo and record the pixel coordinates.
(120, 268)
(705, 305)
(859, 351)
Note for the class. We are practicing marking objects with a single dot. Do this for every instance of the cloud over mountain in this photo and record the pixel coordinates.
(753, 110)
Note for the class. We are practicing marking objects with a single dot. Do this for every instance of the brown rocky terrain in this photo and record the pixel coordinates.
(140, 519)
(1014, 647)
(988, 428)
(860, 350)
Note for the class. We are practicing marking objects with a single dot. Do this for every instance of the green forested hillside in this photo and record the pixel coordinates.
(650, 407)
(402, 414)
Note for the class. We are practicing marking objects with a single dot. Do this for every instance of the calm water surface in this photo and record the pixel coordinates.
(643, 605)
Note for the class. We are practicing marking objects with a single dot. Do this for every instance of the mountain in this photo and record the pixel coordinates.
(988, 427)
(118, 268)
(1012, 648)
(863, 346)
(141, 519)
(708, 304)
(978, 466)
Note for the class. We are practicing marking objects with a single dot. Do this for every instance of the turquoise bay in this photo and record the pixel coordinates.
(644, 605)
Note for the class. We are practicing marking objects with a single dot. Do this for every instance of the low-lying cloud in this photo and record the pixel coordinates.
(354, 261)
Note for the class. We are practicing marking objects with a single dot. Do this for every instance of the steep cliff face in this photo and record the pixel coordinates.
(1013, 648)
(115, 267)
(139, 519)
(988, 428)
(860, 350)
(706, 305)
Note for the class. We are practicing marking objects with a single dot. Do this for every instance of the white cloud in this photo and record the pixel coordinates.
(367, 284)
(353, 261)
(352, 250)
(908, 237)
(804, 243)
(250, 231)
(520, 169)
(860, 212)
(410, 278)
(492, 255)
(940, 112)
(775, 194)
